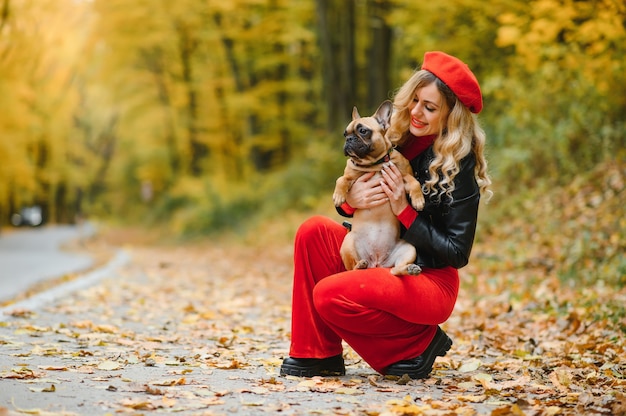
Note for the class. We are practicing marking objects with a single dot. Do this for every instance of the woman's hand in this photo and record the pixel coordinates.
(366, 192)
(392, 185)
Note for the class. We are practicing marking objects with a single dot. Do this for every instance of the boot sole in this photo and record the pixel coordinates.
(440, 349)
(287, 370)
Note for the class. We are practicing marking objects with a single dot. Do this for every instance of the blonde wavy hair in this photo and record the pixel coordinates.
(459, 135)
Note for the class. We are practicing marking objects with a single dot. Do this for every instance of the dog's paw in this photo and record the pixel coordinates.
(362, 264)
(406, 269)
(414, 269)
(417, 201)
(338, 199)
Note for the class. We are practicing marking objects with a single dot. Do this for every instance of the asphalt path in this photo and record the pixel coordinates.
(32, 255)
(68, 352)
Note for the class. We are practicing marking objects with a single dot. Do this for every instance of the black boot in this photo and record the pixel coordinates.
(309, 367)
(420, 367)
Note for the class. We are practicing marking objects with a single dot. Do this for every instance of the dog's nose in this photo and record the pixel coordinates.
(353, 140)
(355, 146)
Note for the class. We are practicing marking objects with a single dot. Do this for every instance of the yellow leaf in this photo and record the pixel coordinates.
(349, 399)
(259, 390)
(552, 411)
(137, 404)
(107, 329)
(348, 390)
(53, 368)
(484, 379)
(191, 319)
(473, 398)
(170, 382)
(82, 324)
(471, 365)
(50, 389)
(108, 365)
(560, 379)
(307, 383)
(168, 402)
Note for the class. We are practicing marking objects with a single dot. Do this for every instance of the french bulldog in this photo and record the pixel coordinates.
(374, 239)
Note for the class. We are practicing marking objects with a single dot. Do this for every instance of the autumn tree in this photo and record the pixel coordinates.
(37, 75)
(565, 85)
(200, 113)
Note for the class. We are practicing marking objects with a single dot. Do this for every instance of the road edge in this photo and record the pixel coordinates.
(39, 300)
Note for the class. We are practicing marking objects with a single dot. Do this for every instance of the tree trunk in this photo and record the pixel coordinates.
(199, 150)
(336, 38)
(152, 59)
(233, 147)
(378, 78)
(106, 151)
(4, 14)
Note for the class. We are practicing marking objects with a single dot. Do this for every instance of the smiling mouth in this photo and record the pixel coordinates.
(417, 123)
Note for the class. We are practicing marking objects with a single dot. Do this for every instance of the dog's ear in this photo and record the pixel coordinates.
(355, 113)
(383, 114)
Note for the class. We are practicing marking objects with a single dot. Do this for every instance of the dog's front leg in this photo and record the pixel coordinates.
(414, 189)
(411, 184)
(343, 184)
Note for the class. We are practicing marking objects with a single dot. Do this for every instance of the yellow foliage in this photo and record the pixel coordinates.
(194, 96)
(581, 28)
(507, 36)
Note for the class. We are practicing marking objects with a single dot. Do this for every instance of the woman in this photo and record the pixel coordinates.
(393, 322)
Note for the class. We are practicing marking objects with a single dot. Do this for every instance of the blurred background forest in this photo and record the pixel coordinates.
(206, 115)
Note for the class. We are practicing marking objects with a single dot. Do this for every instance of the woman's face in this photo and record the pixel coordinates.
(427, 111)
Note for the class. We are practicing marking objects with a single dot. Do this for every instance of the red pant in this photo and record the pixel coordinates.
(384, 318)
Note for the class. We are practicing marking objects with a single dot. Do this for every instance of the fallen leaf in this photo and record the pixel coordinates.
(22, 373)
(137, 404)
(108, 365)
(53, 368)
(167, 402)
(470, 365)
(561, 380)
(107, 329)
(511, 410)
(405, 379)
(472, 398)
(170, 382)
(50, 389)
(348, 391)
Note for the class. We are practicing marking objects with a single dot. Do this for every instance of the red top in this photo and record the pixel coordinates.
(416, 145)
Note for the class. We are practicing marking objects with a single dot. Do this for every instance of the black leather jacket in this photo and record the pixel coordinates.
(443, 232)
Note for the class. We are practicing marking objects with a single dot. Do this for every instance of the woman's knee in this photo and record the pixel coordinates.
(325, 298)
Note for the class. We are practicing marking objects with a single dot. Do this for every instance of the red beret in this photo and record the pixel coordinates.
(457, 76)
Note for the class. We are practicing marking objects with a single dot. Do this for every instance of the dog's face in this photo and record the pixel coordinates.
(365, 136)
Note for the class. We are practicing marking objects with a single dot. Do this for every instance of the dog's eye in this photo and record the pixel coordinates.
(363, 131)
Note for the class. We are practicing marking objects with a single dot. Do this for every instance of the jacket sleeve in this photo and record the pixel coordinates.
(445, 231)
(345, 210)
